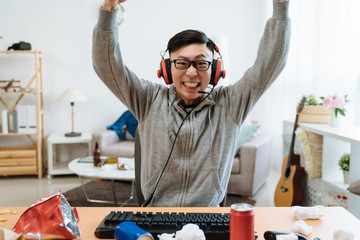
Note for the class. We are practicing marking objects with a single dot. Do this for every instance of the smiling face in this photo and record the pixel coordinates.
(190, 81)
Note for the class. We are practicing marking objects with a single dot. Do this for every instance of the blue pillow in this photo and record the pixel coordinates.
(246, 133)
(126, 119)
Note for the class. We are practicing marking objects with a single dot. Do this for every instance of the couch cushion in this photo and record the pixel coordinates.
(122, 149)
(355, 187)
(126, 119)
(235, 169)
(246, 133)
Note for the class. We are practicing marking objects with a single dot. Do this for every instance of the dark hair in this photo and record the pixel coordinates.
(187, 37)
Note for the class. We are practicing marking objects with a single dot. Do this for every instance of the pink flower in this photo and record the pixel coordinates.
(335, 102)
(328, 102)
(338, 102)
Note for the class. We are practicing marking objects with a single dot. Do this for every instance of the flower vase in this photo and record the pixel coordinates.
(346, 177)
(335, 121)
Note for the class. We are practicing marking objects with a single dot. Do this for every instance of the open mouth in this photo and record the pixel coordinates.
(191, 85)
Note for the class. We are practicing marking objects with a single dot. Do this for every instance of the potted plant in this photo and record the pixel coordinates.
(344, 164)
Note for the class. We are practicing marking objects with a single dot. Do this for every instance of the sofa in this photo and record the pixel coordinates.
(111, 145)
(250, 168)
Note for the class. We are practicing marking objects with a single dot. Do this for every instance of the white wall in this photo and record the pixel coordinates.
(62, 31)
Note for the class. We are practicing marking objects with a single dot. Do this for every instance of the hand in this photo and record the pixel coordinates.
(111, 4)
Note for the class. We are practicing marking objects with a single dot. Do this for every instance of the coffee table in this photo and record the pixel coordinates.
(84, 168)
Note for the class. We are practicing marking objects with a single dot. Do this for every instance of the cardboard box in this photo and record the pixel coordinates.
(315, 114)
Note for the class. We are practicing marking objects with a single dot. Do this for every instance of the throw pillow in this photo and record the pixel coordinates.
(126, 119)
(246, 133)
(355, 187)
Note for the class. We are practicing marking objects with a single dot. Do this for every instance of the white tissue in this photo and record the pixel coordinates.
(188, 232)
(106, 167)
(290, 236)
(301, 227)
(303, 213)
(343, 235)
(166, 236)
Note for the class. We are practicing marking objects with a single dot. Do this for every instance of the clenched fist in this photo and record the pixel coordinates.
(111, 4)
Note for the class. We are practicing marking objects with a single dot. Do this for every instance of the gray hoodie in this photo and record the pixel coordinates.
(199, 168)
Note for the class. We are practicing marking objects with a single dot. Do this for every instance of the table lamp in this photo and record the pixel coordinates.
(72, 95)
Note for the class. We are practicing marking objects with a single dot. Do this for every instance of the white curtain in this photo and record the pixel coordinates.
(324, 59)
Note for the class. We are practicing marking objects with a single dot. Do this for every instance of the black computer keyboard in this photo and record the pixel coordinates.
(214, 225)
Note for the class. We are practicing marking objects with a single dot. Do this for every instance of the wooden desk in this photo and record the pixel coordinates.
(266, 218)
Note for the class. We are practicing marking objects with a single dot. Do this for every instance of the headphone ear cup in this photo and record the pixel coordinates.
(165, 71)
(168, 70)
(217, 72)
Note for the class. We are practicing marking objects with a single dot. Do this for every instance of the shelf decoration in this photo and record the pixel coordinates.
(336, 104)
(10, 85)
(314, 112)
(344, 164)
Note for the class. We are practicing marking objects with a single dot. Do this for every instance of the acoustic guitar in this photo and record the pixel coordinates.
(288, 191)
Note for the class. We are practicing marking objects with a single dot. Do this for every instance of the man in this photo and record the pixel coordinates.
(188, 133)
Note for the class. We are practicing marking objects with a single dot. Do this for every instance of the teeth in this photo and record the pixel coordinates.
(192, 85)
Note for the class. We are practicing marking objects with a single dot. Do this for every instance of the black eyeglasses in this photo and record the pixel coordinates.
(183, 64)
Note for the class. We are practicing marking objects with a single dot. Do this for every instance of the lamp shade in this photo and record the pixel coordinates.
(72, 95)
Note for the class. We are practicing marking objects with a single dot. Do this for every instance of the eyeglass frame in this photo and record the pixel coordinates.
(193, 63)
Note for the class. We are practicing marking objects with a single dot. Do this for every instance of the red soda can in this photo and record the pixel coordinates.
(242, 222)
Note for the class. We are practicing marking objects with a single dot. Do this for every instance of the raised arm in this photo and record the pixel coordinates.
(270, 61)
(136, 94)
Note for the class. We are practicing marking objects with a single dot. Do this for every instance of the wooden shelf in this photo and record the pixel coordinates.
(10, 163)
(18, 134)
(17, 93)
(21, 51)
(336, 141)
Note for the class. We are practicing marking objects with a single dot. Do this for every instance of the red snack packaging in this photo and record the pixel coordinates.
(50, 217)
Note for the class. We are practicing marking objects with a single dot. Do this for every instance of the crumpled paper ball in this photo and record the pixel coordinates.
(303, 213)
(290, 236)
(188, 232)
(343, 235)
(301, 227)
(166, 236)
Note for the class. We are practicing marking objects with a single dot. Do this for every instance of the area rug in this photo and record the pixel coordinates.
(101, 190)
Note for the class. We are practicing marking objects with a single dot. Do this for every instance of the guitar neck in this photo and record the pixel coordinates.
(292, 144)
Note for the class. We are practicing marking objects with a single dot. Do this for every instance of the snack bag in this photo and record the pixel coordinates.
(50, 217)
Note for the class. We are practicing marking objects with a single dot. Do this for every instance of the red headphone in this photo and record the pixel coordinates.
(217, 69)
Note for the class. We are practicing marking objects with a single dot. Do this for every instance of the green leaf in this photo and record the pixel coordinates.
(344, 162)
(342, 112)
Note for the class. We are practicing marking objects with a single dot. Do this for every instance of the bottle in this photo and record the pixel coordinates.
(97, 161)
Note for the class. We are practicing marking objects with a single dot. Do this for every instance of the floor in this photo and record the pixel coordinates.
(25, 190)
